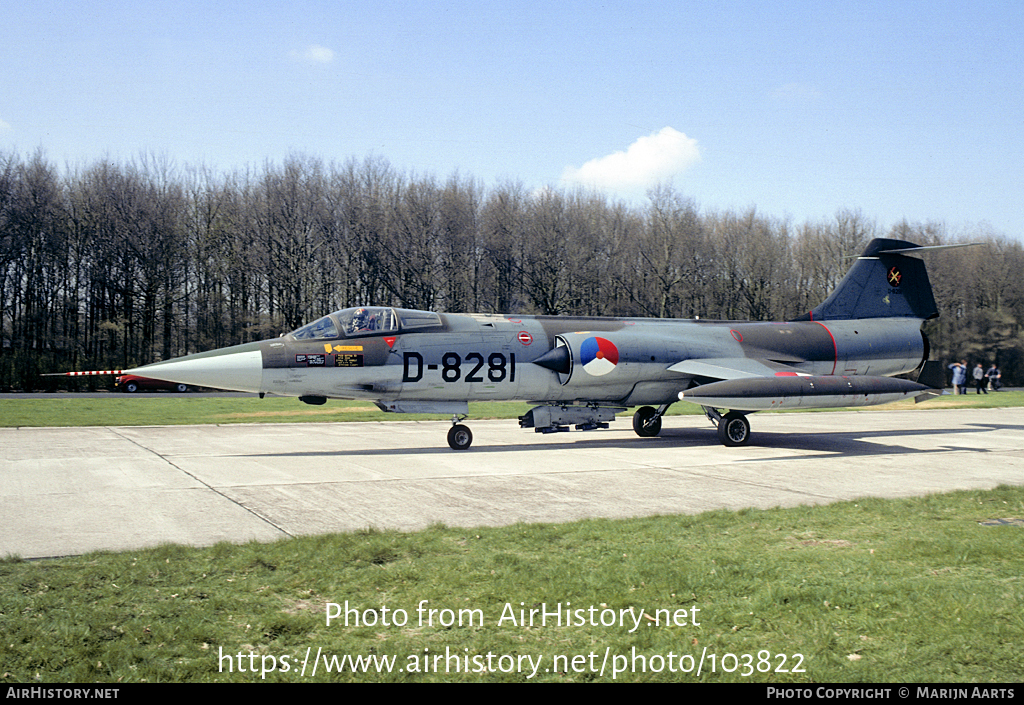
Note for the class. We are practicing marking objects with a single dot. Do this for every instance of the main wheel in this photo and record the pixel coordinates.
(182, 388)
(459, 437)
(646, 422)
(131, 387)
(734, 429)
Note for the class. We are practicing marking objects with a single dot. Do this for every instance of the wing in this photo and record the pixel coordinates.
(734, 368)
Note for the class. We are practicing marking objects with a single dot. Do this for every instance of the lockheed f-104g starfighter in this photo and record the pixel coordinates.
(580, 372)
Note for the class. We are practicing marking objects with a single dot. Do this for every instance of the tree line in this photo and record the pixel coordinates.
(115, 265)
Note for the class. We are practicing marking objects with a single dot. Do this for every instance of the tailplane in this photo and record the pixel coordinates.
(883, 283)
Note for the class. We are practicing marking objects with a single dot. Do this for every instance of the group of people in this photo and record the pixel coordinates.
(983, 381)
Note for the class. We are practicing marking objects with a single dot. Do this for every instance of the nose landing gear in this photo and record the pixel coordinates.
(459, 436)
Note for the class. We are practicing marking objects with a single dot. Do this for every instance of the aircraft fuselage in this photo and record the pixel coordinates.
(582, 371)
(490, 357)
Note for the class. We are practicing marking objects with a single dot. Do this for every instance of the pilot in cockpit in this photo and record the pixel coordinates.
(362, 321)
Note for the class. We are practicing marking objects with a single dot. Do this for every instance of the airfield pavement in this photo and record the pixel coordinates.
(66, 491)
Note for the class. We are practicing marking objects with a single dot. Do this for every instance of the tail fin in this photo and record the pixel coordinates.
(882, 283)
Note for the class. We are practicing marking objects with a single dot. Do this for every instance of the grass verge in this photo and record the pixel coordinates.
(175, 409)
(914, 590)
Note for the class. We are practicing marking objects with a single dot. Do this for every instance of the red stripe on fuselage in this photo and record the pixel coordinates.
(835, 348)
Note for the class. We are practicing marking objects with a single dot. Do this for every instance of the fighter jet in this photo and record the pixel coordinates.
(581, 372)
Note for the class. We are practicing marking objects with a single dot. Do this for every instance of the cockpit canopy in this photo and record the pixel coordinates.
(367, 320)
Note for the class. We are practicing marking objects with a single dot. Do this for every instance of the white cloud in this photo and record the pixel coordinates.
(647, 161)
(314, 54)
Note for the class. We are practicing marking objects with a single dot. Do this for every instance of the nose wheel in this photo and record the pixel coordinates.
(460, 437)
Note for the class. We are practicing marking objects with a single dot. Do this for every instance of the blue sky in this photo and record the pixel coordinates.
(899, 109)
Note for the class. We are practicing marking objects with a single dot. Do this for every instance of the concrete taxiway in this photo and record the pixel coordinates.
(67, 491)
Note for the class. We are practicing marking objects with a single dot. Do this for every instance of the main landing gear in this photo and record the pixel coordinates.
(647, 420)
(733, 428)
(459, 436)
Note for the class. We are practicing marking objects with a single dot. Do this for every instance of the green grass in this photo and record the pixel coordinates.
(869, 591)
(173, 409)
(125, 410)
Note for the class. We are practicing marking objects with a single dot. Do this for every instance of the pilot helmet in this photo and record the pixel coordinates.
(359, 318)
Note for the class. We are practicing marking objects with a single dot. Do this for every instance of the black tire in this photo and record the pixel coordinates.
(182, 388)
(460, 437)
(734, 429)
(643, 424)
(131, 387)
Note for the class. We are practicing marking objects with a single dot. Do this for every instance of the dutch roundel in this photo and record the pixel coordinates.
(598, 356)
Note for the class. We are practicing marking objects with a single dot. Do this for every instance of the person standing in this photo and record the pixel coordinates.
(979, 379)
(959, 376)
(993, 376)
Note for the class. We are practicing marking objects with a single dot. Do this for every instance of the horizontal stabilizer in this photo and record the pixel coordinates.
(923, 248)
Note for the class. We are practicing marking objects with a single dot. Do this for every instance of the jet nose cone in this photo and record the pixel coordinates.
(239, 369)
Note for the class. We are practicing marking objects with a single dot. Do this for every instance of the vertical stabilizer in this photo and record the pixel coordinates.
(883, 283)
